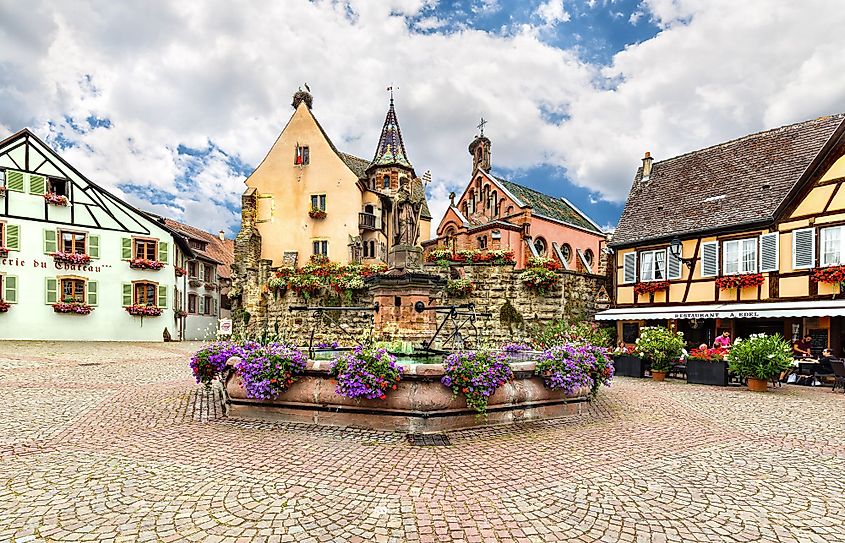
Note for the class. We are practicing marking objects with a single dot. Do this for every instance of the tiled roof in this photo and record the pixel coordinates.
(743, 181)
(544, 205)
(357, 165)
(220, 251)
(391, 148)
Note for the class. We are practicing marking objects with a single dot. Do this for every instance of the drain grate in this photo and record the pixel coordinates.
(89, 363)
(428, 440)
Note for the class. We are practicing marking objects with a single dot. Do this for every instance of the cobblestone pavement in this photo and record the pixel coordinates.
(114, 442)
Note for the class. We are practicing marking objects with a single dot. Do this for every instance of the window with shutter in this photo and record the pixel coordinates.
(37, 184)
(830, 245)
(13, 237)
(50, 242)
(94, 246)
(629, 267)
(803, 248)
(710, 259)
(673, 267)
(9, 289)
(14, 181)
(740, 256)
(93, 293)
(770, 252)
(653, 265)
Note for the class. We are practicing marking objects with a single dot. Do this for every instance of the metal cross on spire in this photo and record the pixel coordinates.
(481, 125)
(390, 89)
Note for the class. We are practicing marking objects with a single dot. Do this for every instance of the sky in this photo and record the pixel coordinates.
(171, 105)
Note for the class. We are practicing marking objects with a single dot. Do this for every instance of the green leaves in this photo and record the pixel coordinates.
(760, 356)
(661, 346)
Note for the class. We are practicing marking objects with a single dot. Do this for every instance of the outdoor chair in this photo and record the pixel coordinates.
(838, 374)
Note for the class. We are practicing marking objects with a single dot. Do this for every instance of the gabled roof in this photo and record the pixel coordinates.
(739, 182)
(222, 252)
(549, 207)
(390, 150)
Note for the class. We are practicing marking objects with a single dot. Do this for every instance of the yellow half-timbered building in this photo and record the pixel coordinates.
(746, 236)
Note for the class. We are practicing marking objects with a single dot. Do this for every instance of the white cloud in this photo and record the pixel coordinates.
(168, 74)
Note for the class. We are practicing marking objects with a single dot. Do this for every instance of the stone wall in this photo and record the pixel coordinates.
(498, 290)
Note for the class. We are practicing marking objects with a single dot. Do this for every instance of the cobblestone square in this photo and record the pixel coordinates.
(115, 442)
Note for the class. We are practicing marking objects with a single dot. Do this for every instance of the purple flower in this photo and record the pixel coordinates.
(366, 373)
(476, 375)
(269, 370)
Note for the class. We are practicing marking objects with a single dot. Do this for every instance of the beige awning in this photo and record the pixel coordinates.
(807, 308)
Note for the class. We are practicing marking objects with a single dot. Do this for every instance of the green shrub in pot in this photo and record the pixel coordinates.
(661, 346)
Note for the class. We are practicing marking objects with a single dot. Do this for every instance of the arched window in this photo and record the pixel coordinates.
(588, 256)
(494, 197)
(540, 245)
(509, 210)
(372, 245)
(566, 251)
(385, 182)
(145, 293)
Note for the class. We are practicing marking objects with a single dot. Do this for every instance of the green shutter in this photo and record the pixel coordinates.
(37, 184)
(162, 251)
(126, 248)
(162, 295)
(92, 293)
(52, 291)
(14, 180)
(13, 237)
(50, 244)
(200, 305)
(10, 285)
(127, 294)
(94, 246)
(214, 313)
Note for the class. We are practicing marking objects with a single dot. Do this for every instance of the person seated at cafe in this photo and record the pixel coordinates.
(802, 348)
(825, 367)
(723, 341)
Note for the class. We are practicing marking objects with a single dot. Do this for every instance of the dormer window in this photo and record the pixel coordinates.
(302, 156)
(57, 186)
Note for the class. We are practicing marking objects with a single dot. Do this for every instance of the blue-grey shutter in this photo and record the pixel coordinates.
(710, 259)
(673, 266)
(803, 248)
(769, 252)
(629, 267)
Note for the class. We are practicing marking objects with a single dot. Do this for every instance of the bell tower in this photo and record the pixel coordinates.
(480, 150)
(390, 168)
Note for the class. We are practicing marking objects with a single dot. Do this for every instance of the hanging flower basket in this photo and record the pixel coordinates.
(650, 287)
(75, 308)
(460, 287)
(144, 264)
(210, 286)
(143, 310)
(194, 283)
(180, 272)
(317, 214)
(739, 281)
(4, 306)
(76, 259)
(56, 200)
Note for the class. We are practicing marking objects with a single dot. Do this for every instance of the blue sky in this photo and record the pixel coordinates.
(172, 104)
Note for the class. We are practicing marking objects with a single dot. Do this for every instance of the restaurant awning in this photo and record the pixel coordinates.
(807, 308)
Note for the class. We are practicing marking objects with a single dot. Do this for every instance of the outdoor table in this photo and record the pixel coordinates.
(807, 366)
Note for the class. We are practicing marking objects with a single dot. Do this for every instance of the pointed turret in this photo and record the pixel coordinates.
(391, 149)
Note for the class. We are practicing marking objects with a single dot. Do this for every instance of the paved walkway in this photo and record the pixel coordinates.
(114, 442)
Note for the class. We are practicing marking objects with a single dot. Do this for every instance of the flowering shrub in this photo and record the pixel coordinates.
(269, 370)
(180, 271)
(54, 199)
(475, 256)
(476, 375)
(320, 273)
(369, 270)
(77, 308)
(4, 306)
(571, 367)
(327, 345)
(544, 262)
(460, 287)
(760, 356)
(583, 332)
(210, 361)
(716, 354)
(625, 350)
(143, 310)
(316, 213)
(650, 287)
(71, 258)
(539, 279)
(307, 285)
(513, 348)
(661, 346)
(144, 264)
(829, 274)
(739, 281)
(366, 373)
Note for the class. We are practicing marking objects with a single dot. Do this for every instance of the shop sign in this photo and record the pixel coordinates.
(44, 264)
(719, 315)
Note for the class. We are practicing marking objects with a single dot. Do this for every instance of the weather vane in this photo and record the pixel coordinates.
(481, 125)
(390, 88)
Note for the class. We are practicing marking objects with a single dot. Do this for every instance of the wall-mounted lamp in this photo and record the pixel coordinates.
(676, 250)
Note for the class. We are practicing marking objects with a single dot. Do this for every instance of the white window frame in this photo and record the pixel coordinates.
(625, 257)
(740, 261)
(822, 253)
(776, 237)
(653, 254)
(812, 248)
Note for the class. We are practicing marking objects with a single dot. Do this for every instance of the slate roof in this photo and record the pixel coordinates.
(543, 205)
(743, 181)
(390, 150)
(220, 251)
(357, 165)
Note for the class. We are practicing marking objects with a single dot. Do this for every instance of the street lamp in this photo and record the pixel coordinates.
(676, 249)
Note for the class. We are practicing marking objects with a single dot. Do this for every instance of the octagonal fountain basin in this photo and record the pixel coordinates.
(420, 404)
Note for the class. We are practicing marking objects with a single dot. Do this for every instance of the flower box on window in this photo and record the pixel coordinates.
(180, 272)
(144, 264)
(195, 283)
(4, 306)
(56, 199)
(829, 274)
(71, 258)
(180, 313)
(317, 214)
(4, 252)
(650, 287)
(75, 308)
(739, 281)
(2, 191)
(143, 310)
(210, 286)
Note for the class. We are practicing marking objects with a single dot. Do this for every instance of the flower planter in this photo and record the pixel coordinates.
(180, 272)
(629, 366)
(144, 264)
(210, 286)
(75, 259)
(56, 200)
(4, 252)
(758, 385)
(143, 311)
(4, 306)
(194, 283)
(72, 308)
(658, 375)
(317, 214)
(703, 372)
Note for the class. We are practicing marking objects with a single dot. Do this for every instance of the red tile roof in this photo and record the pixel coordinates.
(220, 251)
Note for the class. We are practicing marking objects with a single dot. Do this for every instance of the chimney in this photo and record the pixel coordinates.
(647, 160)
(221, 235)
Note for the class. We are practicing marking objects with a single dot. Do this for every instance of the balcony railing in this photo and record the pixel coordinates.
(368, 221)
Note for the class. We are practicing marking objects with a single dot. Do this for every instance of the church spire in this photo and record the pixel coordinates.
(391, 149)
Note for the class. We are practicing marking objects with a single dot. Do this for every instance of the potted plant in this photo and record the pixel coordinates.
(56, 199)
(366, 373)
(76, 259)
(662, 347)
(180, 271)
(708, 366)
(145, 264)
(460, 288)
(759, 358)
(627, 362)
(316, 213)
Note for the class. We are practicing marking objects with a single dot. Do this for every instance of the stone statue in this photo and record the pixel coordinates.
(406, 216)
